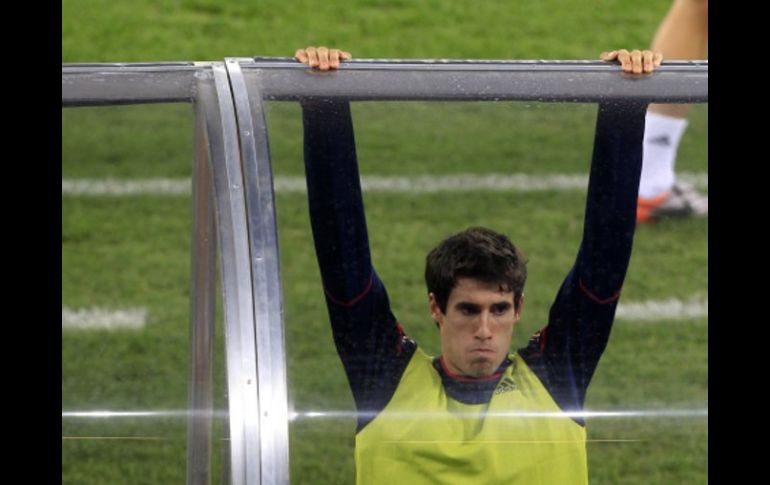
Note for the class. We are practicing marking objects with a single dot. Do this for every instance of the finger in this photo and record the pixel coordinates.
(608, 56)
(312, 56)
(345, 55)
(301, 56)
(323, 58)
(334, 58)
(647, 61)
(657, 58)
(625, 60)
(636, 61)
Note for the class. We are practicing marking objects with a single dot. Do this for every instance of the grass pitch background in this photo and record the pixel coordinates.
(120, 252)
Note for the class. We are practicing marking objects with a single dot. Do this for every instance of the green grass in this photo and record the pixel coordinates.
(417, 138)
(199, 30)
(660, 450)
(134, 251)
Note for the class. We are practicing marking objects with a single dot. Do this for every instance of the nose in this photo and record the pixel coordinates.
(483, 330)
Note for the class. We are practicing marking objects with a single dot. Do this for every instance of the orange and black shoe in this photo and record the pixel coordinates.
(681, 201)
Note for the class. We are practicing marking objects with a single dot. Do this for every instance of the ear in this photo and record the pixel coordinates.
(517, 311)
(435, 310)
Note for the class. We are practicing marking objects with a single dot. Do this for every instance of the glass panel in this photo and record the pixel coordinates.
(126, 225)
(407, 151)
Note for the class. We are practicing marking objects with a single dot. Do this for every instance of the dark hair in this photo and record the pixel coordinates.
(478, 253)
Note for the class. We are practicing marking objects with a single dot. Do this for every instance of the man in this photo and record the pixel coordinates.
(474, 414)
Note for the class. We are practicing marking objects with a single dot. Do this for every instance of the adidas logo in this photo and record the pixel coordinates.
(507, 384)
(662, 140)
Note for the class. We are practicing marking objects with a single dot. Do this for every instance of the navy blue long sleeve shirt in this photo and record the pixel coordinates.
(369, 339)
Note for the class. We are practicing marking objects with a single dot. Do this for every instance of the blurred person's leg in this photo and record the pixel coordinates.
(683, 34)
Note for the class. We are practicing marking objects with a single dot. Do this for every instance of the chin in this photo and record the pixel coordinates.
(485, 369)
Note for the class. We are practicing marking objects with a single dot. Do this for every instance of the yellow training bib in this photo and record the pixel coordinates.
(423, 436)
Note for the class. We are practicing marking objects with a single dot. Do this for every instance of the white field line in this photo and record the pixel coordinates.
(671, 309)
(103, 318)
(369, 183)
(136, 318)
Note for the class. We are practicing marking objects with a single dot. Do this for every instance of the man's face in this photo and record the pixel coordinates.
(477, 328)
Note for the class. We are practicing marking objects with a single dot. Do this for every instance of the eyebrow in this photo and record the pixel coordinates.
(466, 305)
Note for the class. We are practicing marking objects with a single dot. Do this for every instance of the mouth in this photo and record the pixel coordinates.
(482, 351)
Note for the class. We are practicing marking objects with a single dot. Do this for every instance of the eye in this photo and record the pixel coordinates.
(467, 310)
(500, 309)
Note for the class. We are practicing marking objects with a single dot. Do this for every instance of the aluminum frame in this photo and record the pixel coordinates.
(240, 343)
(265, 270)
(111, 84)
(456, 80)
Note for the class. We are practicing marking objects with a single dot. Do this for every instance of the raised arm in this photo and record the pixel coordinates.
(368, 338)
(335, 201)
(565, 353)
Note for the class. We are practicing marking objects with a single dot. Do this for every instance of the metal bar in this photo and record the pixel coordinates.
(395, 79)
(268, 301)
(543, 81)
(112, 84)
(238, 302)
(202, 304)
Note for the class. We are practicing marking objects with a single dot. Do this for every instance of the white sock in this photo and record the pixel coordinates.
(661, 141)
